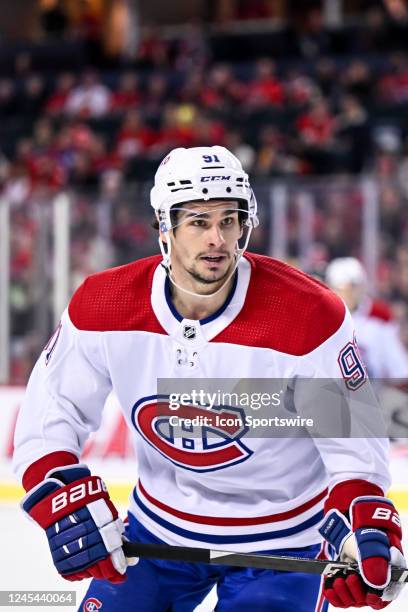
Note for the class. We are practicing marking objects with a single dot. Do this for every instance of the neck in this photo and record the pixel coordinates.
(195, 307)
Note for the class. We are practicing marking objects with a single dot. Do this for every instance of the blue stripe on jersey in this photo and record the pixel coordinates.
(232, 539)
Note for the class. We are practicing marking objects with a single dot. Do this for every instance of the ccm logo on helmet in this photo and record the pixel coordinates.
(77, 492)
(217, 177)
(385, 514)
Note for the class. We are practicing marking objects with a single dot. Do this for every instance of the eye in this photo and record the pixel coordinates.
(228, 221)
(198, 223)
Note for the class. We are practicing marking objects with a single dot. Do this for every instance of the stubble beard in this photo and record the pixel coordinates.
(199, 278)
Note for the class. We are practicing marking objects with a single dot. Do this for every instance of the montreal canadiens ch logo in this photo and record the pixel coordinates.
(215, 443)
(92, 604)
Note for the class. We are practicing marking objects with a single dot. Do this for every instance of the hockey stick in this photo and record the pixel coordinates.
(218, 557)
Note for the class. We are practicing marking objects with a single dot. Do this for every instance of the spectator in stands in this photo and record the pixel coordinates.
(265, 89)
(57, 101)
(153, 50)
(43, 136)
(135, 137)
(316, 127)
(192, 48)
(234, 141)
(271, 159)
(222, 91)
(7, 98)
(82, 174)
(128, 235)
(353, 132)
(102, 158)
(176, 130)
(327, 78)
(300, 89)
(316, 130)
(376, 32)
(90, 99)
(127, 96)
(358, 81)
(155, 96)
(190, 90)
(207, 130)
(392, 88)
(313, 39)
(30, 102)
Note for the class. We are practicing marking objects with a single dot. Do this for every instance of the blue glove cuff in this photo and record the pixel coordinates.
(335, 529)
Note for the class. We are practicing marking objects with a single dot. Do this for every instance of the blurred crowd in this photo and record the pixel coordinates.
(338, 119)
(97, 132)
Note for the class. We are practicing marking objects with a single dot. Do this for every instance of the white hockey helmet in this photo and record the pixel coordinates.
(197, 174)
(345, 271)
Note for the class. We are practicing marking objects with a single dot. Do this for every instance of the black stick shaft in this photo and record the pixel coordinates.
(216, 557)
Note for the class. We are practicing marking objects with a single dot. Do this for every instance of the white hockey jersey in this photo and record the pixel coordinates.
(381, 348)
(121, 332)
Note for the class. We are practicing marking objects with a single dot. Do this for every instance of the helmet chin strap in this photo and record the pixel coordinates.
(167, 265)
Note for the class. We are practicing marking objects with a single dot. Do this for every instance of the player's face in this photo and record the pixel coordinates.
(351, 294)
(205, 241)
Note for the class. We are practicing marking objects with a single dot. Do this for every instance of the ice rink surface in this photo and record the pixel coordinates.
(25, 563)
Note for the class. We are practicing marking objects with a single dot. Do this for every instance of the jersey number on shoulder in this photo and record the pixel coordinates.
(51, 344)
(351, 366)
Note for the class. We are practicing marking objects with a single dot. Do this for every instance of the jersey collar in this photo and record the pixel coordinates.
(211, 326)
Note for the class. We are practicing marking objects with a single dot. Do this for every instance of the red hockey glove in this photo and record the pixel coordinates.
(82, 525)
(372, 539)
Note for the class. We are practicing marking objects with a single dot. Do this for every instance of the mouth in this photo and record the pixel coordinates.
(213, 259)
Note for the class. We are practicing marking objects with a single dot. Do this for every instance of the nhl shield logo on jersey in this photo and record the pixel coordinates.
(193, 437)
(92, 604)
(189, 332)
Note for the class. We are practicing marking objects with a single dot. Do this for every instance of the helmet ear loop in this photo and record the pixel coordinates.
(241, 250)
(165, 249)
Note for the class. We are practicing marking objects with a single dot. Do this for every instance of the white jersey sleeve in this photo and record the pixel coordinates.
(349, 429)
(395, 355)
(64, 398)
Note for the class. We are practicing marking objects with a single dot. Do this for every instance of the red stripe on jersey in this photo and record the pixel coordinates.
(233, 522)
(321, 599)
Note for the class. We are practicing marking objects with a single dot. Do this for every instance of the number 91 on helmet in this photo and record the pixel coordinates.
(197, 174)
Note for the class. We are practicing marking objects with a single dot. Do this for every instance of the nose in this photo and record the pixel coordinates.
(215, 237)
